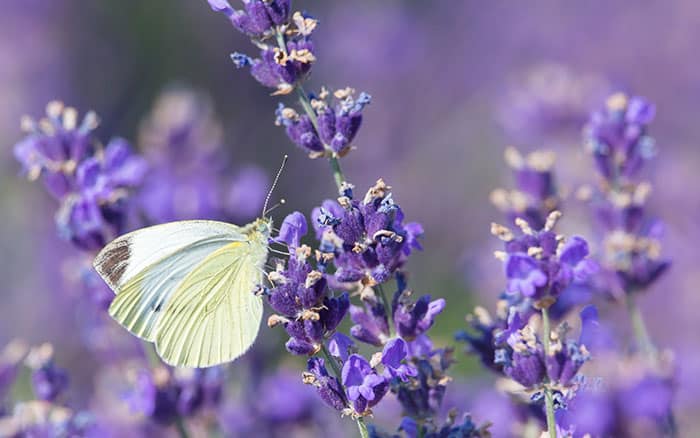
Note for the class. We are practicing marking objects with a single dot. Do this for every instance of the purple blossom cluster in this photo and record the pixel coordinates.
(90, 181)
(617, 138)
(47, 414)
(549, 275)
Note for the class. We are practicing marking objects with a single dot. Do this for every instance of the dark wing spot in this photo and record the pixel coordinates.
(115, 262)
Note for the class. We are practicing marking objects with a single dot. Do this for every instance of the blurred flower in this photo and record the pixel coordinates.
(163, 395)
(190, 176)
(91, 182)
(48, 380)
(535, 195)
(617, 136)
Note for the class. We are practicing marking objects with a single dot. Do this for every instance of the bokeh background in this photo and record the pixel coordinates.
(453, 83)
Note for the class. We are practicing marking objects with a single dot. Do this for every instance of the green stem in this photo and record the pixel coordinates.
(331, 361)
(308, 109)
(364, 433)
(336, 372)
(548, 398)
(333, 159)
(181, 428)
(639, 328)
(387, 307)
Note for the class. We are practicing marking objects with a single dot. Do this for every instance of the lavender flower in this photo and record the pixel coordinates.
(617, 137)
(163, 395)
(540, 265)
(535, 195)
(91, 182)
(369, 240)
(191, 176)
(328, 387)
(48, 380)
(336, 125)
(300, 295)
(365, 387)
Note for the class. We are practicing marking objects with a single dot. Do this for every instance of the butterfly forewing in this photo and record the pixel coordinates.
(145, 267)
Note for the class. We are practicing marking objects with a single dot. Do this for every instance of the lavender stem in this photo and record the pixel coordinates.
(548, 399)
(639, 328)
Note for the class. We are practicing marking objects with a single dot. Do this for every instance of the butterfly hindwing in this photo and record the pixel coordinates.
(213, 316)
(145, 267)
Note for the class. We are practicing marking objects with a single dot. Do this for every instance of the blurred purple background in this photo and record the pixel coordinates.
(453, 83)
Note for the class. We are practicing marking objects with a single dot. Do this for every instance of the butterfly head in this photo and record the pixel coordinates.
(262, 227)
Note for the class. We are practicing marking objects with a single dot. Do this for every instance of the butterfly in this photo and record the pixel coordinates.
(188, 286)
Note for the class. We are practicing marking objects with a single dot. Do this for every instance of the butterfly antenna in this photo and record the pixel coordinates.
(274, 183)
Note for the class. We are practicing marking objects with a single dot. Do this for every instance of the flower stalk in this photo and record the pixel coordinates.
(548, 398)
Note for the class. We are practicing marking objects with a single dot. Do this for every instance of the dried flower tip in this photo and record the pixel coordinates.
(14, 352)
(524, 226)
(620, 199)
(54, 109)
(379, 190)
(308, 378)
(305, 25)
(535, 251)
(502, 232)
(641, 193)
(513, 158)
(275, 320)
(344, 93)
(303, 252)
(312, 278)
(276, 277)
(70, 118)
(345, 202)
(501, 255)
(39, 356)
(502, 307)
(310, 315)
(161, 376)
(541, 161)
(552, 220)
(283, 89)
(482, 315)
(323, 94)
(617, 102)
(499, 198)
(305, 56)
(376, 359)
(584, 193)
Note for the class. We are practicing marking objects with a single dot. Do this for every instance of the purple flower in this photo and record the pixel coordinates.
(415, 318)
(258, 16)
(365, 388)
(340, 346)
(48, 380)
(540, 265)
(395, 351)
(524, 275)
(293, 229)
(535, 195)
(92, 184)
(329, 388)
(368, 240)
(371, 324)
(617, 136)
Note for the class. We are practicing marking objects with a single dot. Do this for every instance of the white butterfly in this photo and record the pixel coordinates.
(188, 286)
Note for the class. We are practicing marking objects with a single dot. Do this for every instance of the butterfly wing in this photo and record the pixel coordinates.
(145, 267)
(213, 316)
